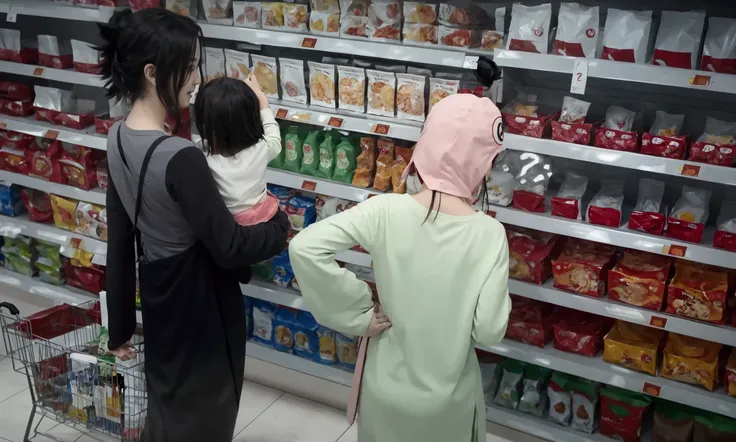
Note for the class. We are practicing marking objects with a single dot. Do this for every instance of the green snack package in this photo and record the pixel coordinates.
(509, 390)
(310, 149)
(263, 270)
(293, 149)
(714, 427)
(327, 155)
(278, 162)
(346, 155)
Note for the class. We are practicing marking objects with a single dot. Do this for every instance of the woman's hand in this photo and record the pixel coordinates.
(125, 352)
(379, 322)
(252, 81)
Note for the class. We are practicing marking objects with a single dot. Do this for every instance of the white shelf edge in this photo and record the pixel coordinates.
(323, 187)
(40, 8)
(46, 73)
(20, 225)
(293, 362)
(538, 426)
(63, 294)
(31, 126)
(96, 196)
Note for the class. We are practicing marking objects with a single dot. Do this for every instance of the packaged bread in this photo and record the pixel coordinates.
(264, 68)
(633, 346)
(351, 90)
(247, 14)
(381, 92)
(410, 96)
(296, 16)
(322, 84)
(403, 155)
(238, 64)
(691, 360)
(366, 163)
(214, 63)
(384, 164)
(293, 88)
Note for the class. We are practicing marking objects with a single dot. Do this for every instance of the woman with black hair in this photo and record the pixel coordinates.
(163, 206)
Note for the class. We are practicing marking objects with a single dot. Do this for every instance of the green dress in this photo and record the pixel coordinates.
(444, 285)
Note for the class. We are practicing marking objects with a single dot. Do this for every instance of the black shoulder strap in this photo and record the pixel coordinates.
(141, 179)
(120, 146)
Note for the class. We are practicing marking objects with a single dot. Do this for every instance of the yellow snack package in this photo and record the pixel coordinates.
(633, 346)
(64, 211)
(691, 360)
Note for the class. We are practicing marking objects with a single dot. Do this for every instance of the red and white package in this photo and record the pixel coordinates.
(529, 30)
(577, 31)
(580, 332)
(77, 166)
(687, 219)
(118, 111)
(530, 254)
(719, 50)
(354, 18)
(11, 90)
(86, 58)
(43, 160)
(533, 183)
(523, 116)
(101, 171)
(648, 215)
(50, 102)
(13, 48)
(605, 207)
(725, 237)
(663, 138)
(14, 160)
(530, 321)
(568, 202)
(54, 53)
(616, 132)
(717, 145)
(492, 37)
(571, 127)
(456, 37)
(626, 35)
(678, 39)
(15, 140)
(501, 184)
(582, 267)
(38, 206)
(384, 20)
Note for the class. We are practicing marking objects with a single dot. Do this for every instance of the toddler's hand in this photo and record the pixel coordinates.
(252, 81)
(379, 322)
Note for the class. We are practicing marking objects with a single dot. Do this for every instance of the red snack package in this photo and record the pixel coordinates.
(579, 332)
(49, 102)
(698, 291)
(90, 279)
(687, 219)
(530, 254)
(626, 36)
(663, 138)
(13, 48)
(648, 213)
(38, 205)
(86, 58)
(14, 160)
(571, 126)
(719, 51)
(76, 165)
(678, 39)
(725, 237)
(15, 91)
(530, 322)
(622, 413)
(529, 29)
(616, 132)
(43, 160)
(15, 140)
(639, 279)
(577, 31)
(53, 53)
(717, 145)
(605, 207)
(582, 267)
(118, 111)
(137, 5)
(523, 116)
(568, 202)
(530, 194)
(17, 108)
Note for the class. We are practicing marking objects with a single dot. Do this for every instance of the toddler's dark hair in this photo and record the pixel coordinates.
(228, 116)
(151, 36)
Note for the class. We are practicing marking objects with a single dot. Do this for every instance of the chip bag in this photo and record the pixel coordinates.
(534, 398)
(310, 152)
(698, 292)
(605, 209)
(560, 398)
(530, 254)
(622, 413)
(293, 149)
(403, 156)
(633, 346)
(346, 161)
(687, 219)
(582, 267)
(384, 162)
(639, 279)
(717, 145)
(64, 212)
(579, 332)
(691, 360)
(509, 389)
(366, 163)
(327, 155)
(530, 322)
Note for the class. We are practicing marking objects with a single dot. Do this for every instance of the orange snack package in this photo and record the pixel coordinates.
(633, 346)
(691, 360)
(383, 164)
(403, 155)
(366, 163)
(639, 279)
(731, 373)
(583, 266)
(698, 292)
(64, 211)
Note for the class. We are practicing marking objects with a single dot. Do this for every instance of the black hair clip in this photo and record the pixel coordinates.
(487, 71)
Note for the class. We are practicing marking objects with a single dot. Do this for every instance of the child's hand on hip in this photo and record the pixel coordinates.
(379, 322)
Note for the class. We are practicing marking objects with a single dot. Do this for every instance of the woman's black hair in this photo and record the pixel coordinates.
(228, 117)
(487, 71)
(150, 36)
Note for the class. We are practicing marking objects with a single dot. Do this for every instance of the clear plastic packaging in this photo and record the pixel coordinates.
(577, 31)
(351, 90)
(272, 15)
(218, 11)
(568, 202)
(440, 88)
(420, 34)
(354, 18)
(719, 50)
(678, 39)
(648, 213)
(325, 17)
(384, 20)
(626, 35)
(689, 215)
(410, 96)
(381, 92)
(322, 84)
(296, 16)
(717, 145)
(618, 118)
(247, 14)
(264, 68)
(238, 64)
(293, 87)
(421, 13)
(663, 138)
(491, 39)
(574, 110)
(605, 208)
(529, 30)
(502, 183)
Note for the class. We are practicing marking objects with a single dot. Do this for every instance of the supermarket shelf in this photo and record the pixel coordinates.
(31, 126)
(349, 121)
(595, 368)
(63, 75)
(65, 294)
(628, 160)
(320, 186)
(47, 8)
(538, 426)
(612, 309)
(258, 351)
(613, 70)
(268, 291)
(96, 196)
(363, 48)
(22, 226)
(621, 237)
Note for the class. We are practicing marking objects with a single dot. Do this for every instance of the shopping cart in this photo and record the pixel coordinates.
(69, 379)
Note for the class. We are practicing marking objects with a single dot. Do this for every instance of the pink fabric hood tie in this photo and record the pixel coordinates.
(461, 138)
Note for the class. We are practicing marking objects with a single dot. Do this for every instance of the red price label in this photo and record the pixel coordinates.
(38, 72)
(309, 186)
(309, 43)
(651, 389)
(76, 243)
(282, 113)
(690, 170)
(335, 122)
(700, 80)
(673, 250)
(51, 134)
(381, 129)
(658, 321)
(491, 213)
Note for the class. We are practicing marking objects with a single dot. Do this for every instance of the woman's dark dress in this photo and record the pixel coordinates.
(194, 255)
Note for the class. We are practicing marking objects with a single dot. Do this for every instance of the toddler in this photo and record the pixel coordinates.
(240, 137)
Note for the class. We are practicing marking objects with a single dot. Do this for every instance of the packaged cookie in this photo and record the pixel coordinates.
(582, 267)
(284, 326)
(509, 389)
(384, 162)
(403, 156)
(456, 37)
(238, 64)
(306, 341)
(410, 96)
(264, 68)
(579, 332)
(381, 92)
(247, 14)
(351, 91)
(214, 64)
(366, 163)
(325, 17)
(347, 351)
(417, 12)
(283, 273)
(272, 15)
(384, 20)
(218, 11)
(440, 88)
(530, 254)
(420, 34)
(293, 87)
(530, 321)
(322, 84)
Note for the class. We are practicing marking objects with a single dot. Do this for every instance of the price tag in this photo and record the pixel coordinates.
(579, 76)
(309, 186)
(380, 129)
(335, 122)
(76, 243)
(658, 321)
(651, 389)
(282, 113)
(491, 213)
(11, 17)
(673, 250)
(470, 62)
(51, 134)
(690, 170)
(700, 80)
(309, 43)
(38, 72)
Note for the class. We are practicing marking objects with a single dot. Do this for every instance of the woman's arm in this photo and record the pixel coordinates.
(120, 270)
(271, 133)
(336, 298)
(190, 183)
(494, 303)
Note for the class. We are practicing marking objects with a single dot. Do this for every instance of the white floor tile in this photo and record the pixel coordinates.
(14, 413)
(292, 419)
(351, 435)
(11, 382)
(255, 400)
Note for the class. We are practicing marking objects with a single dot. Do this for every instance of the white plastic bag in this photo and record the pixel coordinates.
(86, 58)
(58, 100)
(718, 132)
(693, 205)
(650, 196)
(571, 192)
(574, 110)
(678, 39)
(626, 36)
(727, 219)
(719, 51)
(667, 125)
(611, 196)
(577, 30)
(293, 87)
(529, 30)
(618, 118)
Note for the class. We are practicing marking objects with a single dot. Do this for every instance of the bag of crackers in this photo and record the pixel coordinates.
(691, 360)
(640, 279)
(366, 160)
(582, 267)
(633, 346)
(698, 291)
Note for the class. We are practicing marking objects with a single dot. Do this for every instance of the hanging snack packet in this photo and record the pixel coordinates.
(214, 64)
(384, 20)
(440, 88)
(219, 12)
(354, 18)
(366, 163)
(529, 28)
(622, 413)
(327, 155)
(568, 202)
(648, 215)
(717, 145)
(509, 389)
(293, 152)
(584, 405)
(381, 92)
(689, 215)
(86, 59)
(577, 31)
(247, 14)
(560, 398)
(384, 162)
(272, 15)
(605, 208)
(403, 155)
(296, 16)
(725, 236)
(719, 51)
(310, 153)
(325, 17)
(53, 53)
(352, 88)
(293, 88)
(422, 13)
(264, 68)
(678, 39)
(322, 84)
(410, 96)
(626, 36)
(534, 398)
(663, 138)
(238, 65)
(346, 155)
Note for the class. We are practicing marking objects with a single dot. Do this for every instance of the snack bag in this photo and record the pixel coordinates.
(687, 219)
(560, 398)
(605, 207)
(10, 199)
(327, 346)
(403, 155)
(440, 88)
(283, 274)
(534, 398)
(322, 84)
(296, 16)
(53, 53)
(530, 322)
(571, 127)
(384, 20)
(530, 254)
(326, 206)
(622, 413)
(19, 255)
(490, 375)
(672, 423)
(568, 201)
(585, 405)
(272, 15)
(711, 427)
(263, 318)
(64, 212)
(691, 360)
(663, 138)
(218, 11)
(37, 204)
(327, 155)
(293, 149)
(626, 35)
(310, 150)
(13, 48)
(678, 39)
(422, 13)
(354, 18)
(247, 14)
(351, 88)
(579, 332)
(574, 110)
(731, 373)
(529, 28)
(381, 92)
(725, 236)
(577, 31)
(633, 346)
(530, 195)
(346, 160)
(459, 38)
(420, 34)
(306, 340)
(719, 51)
(301, 212)
(617, 131)
(384, 162)
(91, 220)
(491, 39)
(264, 68)
(43, 160)
(85, 276)
(523, 117)
(502, 183)
(293, 87)
(366, 163)
(410, 96)
(698, 292)
(76, 166)
(284, 326)
(283, 194)
(509, 389)
(583, 267)
(717, 145)
(648, 215)
(238, 65)
(347, 351)
(639, 279)
(325, 17)
(214, 64)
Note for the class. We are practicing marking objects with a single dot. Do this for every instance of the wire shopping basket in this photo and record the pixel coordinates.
(70, 380)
